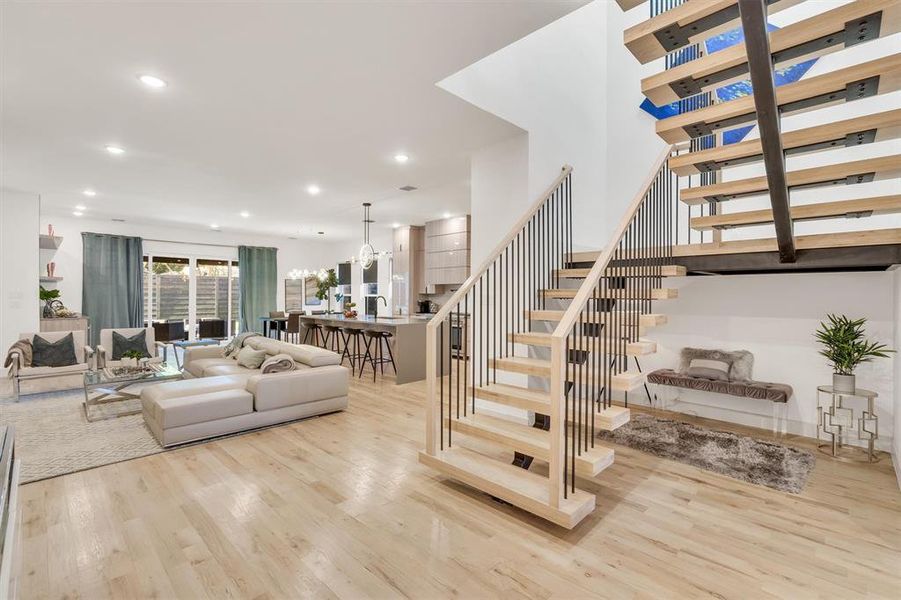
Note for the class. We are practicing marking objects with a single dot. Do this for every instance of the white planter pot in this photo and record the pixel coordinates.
(843, 383)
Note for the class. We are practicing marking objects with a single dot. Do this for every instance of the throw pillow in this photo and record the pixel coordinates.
(60, 353)
(250, 358)
(707, 373)
(122, 344)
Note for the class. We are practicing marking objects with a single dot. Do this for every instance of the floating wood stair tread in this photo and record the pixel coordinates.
(686, 23)
(849, 172)
(530, 441)
(629, 4)
(584, 256)
(622, 382)
(626, 271)
(828, 135)
(847, 239)
(828, 31)
(623, 294)
(861, 207)
(848, 83)
(519, 487)
(612, 417)
(644, 320)
(587, 344)
(515, 396)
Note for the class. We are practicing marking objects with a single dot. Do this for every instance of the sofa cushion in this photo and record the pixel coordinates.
(132, 343)
(230, 369)
(250, 358)
(188, 387)
(199, 408)
(297, 387)
(301, 353)
(68, 369)
(198, 367)
(59, 353)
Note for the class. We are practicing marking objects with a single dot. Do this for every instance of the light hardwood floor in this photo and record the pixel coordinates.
(338, 506)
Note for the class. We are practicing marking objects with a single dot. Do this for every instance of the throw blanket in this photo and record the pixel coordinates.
(278, 363)
(237, 343)
(23, 348)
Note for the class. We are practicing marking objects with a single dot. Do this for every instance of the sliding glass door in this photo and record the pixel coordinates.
(192, 290)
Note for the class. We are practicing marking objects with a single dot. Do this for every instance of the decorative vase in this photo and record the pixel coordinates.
(50, 230)
(843, 383)
(52, 269)
(47, 311)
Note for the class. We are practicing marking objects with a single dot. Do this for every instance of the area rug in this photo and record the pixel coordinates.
(742, 457)
(54, 438)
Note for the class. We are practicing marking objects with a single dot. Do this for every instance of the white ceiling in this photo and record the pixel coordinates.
(263, 99)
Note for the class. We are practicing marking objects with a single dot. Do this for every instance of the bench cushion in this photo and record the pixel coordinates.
(758, 390)
(200, 408)
(198, 367)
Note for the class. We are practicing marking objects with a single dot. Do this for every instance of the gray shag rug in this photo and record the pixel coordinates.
(742, 457)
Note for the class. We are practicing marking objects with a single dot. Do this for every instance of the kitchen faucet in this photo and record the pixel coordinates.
(382, 298)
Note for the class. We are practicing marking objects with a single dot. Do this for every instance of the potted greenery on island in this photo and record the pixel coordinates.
(845, 347)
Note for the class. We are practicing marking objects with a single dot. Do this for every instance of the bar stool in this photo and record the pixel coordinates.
(376, 356)
(332, 338)
(314, 330)
(352, 348)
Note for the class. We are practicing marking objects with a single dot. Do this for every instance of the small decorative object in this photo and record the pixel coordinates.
(350, 310)
(50, 230)
(48, 270)
(131, 358)
(366, 255)
(846, 348)
(52, 269)
(51, 301)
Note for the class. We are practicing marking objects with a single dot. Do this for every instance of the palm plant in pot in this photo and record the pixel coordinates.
(846, 347)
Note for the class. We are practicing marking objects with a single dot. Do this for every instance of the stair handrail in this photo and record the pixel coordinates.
(443, 313)
(566, 324)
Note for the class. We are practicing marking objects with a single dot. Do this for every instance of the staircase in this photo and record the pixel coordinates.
(542, 332)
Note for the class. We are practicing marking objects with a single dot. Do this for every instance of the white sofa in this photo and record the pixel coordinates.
(104, 351)
(44, 379)
(218, 396)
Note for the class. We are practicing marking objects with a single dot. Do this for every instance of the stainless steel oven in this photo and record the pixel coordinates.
(458, 338)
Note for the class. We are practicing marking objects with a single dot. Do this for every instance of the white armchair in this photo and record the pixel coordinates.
(104, 351)
(84, 357)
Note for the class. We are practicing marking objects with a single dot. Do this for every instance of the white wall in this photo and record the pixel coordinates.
(896, 358)
(774, 317)
(19, 265)
(292, 254)
(553, 84)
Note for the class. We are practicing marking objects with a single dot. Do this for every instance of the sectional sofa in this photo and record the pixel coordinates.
(218, 396)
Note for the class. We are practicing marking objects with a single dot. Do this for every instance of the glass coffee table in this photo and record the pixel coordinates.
(107, 394)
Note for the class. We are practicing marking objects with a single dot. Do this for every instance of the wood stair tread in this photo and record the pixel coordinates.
(519, 487)
(621, 382)
(623, 294)
(831, 86)
(877, 205)
(720, 192)
(512, 395)
(644, 320)
(846, 239)
(691, 163)
(789, 45)
(537, 338)
(686, 23)
(530, 441)
(626, 271)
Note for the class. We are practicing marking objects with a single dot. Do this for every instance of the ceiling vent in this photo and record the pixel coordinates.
(118, 220)
(408, 188)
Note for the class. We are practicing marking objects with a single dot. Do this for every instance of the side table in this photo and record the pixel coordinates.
(835, 420)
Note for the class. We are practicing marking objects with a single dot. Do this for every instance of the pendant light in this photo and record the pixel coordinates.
(367, 253)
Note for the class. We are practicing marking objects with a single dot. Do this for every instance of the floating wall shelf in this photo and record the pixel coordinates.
(50, 242)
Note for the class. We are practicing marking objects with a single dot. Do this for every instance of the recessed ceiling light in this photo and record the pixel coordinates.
(447, 215)
(151, 81)
(214, 226)
(115, 150)
(401, 158)
(77, 213)
(90, 193)
(245, 214)
(313, 189)
(395, 225)
(81, 207)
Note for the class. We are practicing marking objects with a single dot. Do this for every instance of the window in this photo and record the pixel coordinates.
(167, 296)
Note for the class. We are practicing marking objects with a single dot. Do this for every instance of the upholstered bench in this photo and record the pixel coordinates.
(758, 390)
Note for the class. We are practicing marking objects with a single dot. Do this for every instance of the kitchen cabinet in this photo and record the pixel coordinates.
(447, 252)
(409, 267)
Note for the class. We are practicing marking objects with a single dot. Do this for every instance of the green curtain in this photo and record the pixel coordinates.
(112, 287)
(257, 285)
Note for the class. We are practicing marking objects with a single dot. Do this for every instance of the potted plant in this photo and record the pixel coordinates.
(327, 280)
(131, 358)
(49, 298)
(845, 347)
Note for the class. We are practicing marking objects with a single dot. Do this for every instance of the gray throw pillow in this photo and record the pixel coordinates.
(250, 358)
(707, 373)
(60, 353)
(122, 344)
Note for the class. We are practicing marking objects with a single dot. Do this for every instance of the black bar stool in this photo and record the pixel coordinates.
(314, 330)
(375, 355)
(333, 338)
(352, 348)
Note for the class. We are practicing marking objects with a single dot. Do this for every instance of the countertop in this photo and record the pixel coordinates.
(397, 321)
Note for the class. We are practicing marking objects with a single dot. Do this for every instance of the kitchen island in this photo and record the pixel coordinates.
(407, 341)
